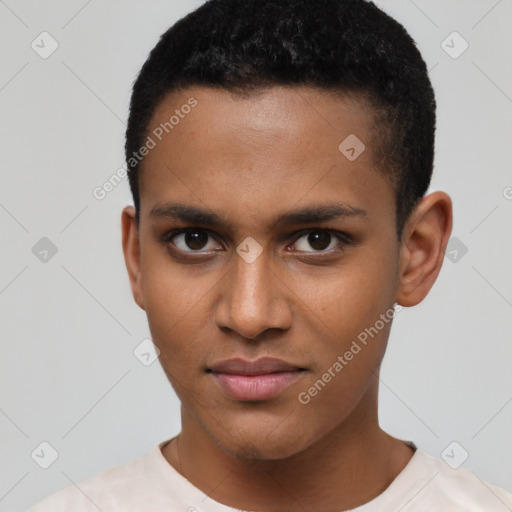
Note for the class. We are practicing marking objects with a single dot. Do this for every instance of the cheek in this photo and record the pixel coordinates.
(175, 300)
(350, 298)
(348, 305)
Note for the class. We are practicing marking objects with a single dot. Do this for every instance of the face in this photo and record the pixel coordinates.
(259, 238)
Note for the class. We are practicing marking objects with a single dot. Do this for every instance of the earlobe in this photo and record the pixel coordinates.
(131, 251)
(424, 241)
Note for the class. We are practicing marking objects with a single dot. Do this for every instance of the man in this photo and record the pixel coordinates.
(279, 156)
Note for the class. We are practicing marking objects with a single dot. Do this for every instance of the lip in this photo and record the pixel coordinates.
(257, 380)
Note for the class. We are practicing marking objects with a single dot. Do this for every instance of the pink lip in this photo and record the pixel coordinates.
(262, 379)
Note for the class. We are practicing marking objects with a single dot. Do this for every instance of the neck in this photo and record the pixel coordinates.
(347, 467)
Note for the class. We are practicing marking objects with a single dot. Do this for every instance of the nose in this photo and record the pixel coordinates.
(253, 300)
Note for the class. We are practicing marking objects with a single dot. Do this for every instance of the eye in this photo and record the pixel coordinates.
(320, 240)
(198, 240)
(192, 240)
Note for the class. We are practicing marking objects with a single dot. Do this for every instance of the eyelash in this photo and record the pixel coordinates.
(342, 238)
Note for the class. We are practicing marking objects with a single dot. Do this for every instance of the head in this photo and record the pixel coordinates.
(279, 162)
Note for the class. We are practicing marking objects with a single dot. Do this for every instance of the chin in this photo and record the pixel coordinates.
(252, 450)
(264, 443)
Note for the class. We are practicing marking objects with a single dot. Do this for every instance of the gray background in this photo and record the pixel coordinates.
(68, 375)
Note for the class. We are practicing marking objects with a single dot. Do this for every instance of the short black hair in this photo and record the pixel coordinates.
(344, 46)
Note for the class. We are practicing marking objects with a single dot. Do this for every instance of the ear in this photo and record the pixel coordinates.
(131, 250)
(424, 241)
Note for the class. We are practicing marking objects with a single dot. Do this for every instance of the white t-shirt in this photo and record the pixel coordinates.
(151, 484)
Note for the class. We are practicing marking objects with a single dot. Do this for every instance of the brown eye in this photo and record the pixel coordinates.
(196, 240)
(319, 240)
(193, 240)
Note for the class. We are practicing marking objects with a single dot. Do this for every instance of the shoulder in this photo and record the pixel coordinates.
(458, 489)
(99, 492)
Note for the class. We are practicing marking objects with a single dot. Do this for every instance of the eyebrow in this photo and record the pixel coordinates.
(307, 215)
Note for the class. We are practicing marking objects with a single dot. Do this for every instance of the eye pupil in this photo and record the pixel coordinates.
(319, 240)
(196, 239)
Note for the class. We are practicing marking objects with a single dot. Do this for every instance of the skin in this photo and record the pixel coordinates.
(250, 159)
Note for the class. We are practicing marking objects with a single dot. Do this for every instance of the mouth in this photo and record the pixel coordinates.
(258, 380)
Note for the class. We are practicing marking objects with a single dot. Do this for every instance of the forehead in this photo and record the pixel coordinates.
(261, 153)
